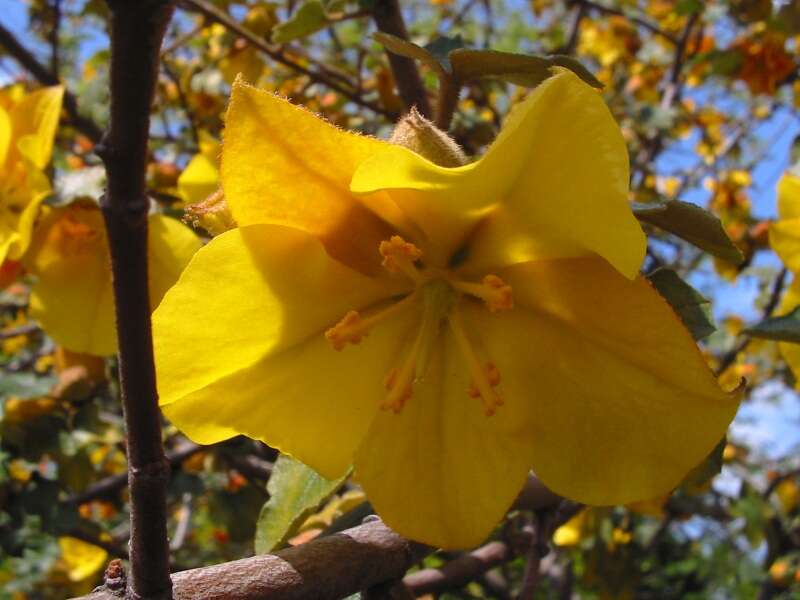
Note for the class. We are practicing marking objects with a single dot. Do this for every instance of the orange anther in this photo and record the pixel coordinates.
(349, 329)
(397, 397)
(500, 296)
(399, 256)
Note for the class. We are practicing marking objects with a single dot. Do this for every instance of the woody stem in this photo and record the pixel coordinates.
(137, 29)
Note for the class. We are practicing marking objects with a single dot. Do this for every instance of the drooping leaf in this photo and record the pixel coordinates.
(441, 47)
(295, 492)
(691, 306)
(408, 49)
(309, 18)
(779, 329)
(706, 470)
(448, 57)
(691, 223)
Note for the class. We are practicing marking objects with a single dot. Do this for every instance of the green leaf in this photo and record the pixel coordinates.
(309, 18)
(688, 7)
(519, 69)
(295, 492)
(691, 306)
(441, 47)
(25, 385)
(780, 329)
(408, 49)
(691, 223)
(706, 470)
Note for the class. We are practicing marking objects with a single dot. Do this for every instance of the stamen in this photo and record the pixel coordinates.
(399, 256)
(483, 380)
(353, 328)
(496, 293)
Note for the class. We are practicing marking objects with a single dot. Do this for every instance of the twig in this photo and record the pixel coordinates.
(727, 359)
(211, 12)
(184, 101)
(327, 568)
(55, 41)
(137, 30)
(459, 571)
(389, 19)
(533, 559)
(110, 486)
(575, 32)
(43, 75)
(26, 329)
(643, 23)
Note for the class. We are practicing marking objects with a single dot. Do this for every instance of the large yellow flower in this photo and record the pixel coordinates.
(784, 237)
(73, 297)
(27, 127)
(442, 329)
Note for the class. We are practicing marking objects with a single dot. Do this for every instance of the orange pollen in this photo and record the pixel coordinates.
(495, 292)
(399, 256)
(492, 376)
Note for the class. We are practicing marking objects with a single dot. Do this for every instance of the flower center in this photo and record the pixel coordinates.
(438, 294)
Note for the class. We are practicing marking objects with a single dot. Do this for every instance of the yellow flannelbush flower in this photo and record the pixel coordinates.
(200, 178)
(73, 297)
(441, 329)
(81, 559)
(27, 127)
(784, 237)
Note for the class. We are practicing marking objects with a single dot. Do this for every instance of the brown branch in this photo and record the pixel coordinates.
(389, 19)
(643, 23)
(114, 484)
(727, 359)
(44, 76)
(137, 30)
(459, 571)
(26, 329)
(216, 15)
(327, 568)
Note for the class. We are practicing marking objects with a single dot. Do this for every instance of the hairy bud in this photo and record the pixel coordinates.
(417, 133)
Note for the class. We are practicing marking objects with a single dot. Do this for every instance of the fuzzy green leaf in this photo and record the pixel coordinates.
(296, 491)
(689, 304)
(780, 329)
(691, 223)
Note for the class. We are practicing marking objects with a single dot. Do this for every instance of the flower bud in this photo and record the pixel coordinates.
(420, 135)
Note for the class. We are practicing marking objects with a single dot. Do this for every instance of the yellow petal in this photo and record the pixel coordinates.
(784, 238)
(443, 204)
(555, 181)
(5, 135)
(240, 346)
(789, 196)
(789, 351)
(82, 560)
(35, 119)
(73, 297)
(283, 165)
(620, 403)
(198, 180)
(784, 235)
(442, 472)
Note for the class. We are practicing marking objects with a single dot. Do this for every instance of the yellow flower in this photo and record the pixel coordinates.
(81, 559)
(784, 237)
(27, 127)
(506, 327)
(200, 178)
(73, 297)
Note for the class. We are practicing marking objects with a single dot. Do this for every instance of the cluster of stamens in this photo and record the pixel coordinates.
(439, 292)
